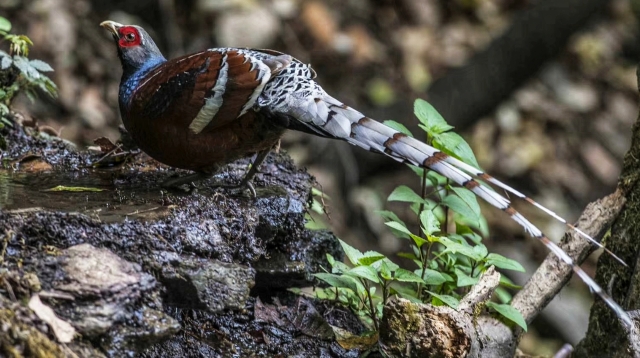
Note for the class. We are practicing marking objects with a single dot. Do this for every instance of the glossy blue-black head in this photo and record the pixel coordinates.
(136, 48)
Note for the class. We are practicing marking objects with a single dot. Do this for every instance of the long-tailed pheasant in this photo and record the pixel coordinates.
(206, 109)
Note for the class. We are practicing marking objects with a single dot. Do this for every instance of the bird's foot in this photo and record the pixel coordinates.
(189, 180)
(244, 185)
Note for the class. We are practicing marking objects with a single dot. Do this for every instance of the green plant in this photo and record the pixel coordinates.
(18, 73)
(447, 248)
(317, 209)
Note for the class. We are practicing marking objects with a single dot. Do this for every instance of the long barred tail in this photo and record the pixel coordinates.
(329, 117)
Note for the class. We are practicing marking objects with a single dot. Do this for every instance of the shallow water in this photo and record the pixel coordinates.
(21, 192)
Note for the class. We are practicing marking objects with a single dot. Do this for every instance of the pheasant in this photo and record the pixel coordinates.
(206, 109)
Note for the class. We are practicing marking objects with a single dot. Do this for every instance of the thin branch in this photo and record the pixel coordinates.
(552, 275)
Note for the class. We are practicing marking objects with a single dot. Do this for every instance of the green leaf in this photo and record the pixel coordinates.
(25, 39)
(464, 279)
(481, 250)
(318, 192)
(430, 118)
(458, 205)
(436, 179)
(433, 277)
(370, 257)
(40, 66)
(399, 227)
(455, 247)
(509, 313)
(469, 198)
(338, 280)
(317, 207)
(331, 260)
(453, 144)
(446, 299)
(467, 232)
(403, 275)
(503, 295)
(405, 194)
(339, 267)
(372, 292)
(366, 272)
(503, 263)
(6, 63)
(352, 253)
(23, 65)
(324, 293)
(407, 255)
(397, 126)
(506, 282)
(430, 223)
(384, 271)
(5, 25)
(419, 241)
(312, 224)
(389, 215)
(447, 277)
(390, 264)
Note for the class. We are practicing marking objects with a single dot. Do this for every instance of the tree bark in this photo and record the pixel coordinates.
(605, 336)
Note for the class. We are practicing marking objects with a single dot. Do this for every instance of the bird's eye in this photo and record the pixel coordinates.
(130, 36)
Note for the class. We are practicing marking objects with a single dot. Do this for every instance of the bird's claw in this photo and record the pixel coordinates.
(240, 187)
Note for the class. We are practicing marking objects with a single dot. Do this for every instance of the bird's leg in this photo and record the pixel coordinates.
(246, 180)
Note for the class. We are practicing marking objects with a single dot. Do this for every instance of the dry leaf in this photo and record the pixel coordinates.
(63, 331)
(106, 145)
(348, 340)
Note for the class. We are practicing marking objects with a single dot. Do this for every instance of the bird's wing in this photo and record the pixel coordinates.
(204, 90)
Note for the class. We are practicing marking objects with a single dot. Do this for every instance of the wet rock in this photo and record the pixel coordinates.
(146, 328)
(241, 334)
(205, 284)
(101, 285)
(105, 294)
(292, 263)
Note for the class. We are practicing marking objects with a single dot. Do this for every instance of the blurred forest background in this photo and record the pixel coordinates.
(544, 90)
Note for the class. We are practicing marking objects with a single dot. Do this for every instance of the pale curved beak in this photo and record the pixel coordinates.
(112, 26)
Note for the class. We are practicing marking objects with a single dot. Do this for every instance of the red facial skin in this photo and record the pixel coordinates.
(129, 37)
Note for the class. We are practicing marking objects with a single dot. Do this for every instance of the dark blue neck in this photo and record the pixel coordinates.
(131, 79)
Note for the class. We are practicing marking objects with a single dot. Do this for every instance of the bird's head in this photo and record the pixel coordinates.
(136, 48)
